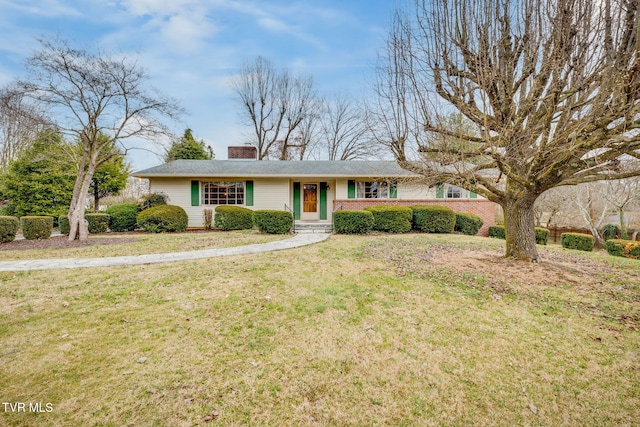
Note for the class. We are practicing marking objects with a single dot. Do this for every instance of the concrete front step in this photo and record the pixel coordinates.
(314, 227)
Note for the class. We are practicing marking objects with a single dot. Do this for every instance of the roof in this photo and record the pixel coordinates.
(275, 168)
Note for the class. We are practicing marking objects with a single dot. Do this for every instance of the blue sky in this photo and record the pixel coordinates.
(191, 48)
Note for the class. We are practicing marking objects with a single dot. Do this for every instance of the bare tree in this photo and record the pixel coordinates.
(20, 122)
(344, 133)
(593, 208)
(622, 195)
(553, 203)
(551, 86)
(275, 105)
(98, 100)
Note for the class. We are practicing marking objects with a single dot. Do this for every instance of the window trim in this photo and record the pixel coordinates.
(242, 185)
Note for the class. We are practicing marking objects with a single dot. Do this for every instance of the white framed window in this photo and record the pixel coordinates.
(223, 193)
(372, 190)
(454, 192)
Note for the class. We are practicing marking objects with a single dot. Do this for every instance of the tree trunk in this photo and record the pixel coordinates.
(78, 226)
(519, 220)
(96, 197)
(623, 225)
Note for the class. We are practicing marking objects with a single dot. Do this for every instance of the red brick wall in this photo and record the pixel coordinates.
(483, 208)
(242, 152)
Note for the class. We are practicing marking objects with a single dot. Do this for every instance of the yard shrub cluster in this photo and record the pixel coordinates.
(610, 231)
(468, 223)
(392, 219)
(36, 227)
(8, 228)
(542, 235)
(352, 222)
(623, 248)
(497, 231)
(98, 222)
(579, 241)
(122, 217)
(433, 219)
(233, 218)
(163, 219)
(273, 221)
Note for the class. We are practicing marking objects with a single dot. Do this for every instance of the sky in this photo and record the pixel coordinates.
(191, 49)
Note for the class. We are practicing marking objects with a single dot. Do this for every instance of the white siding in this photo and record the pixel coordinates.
(270, 194)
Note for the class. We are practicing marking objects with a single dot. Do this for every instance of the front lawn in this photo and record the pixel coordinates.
(398, 330)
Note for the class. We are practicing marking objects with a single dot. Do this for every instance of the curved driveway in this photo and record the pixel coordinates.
(52, 264)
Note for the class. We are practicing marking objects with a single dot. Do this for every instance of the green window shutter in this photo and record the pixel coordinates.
(296, 200)
(440, 190)
(248, 196)
(393, 189)
(351, 189)
(472, 195)
(195, 193)
(323, 200)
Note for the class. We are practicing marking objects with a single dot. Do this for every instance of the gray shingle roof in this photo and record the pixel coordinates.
(274, 168)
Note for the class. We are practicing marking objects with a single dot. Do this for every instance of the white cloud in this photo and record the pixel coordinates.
(46, 8)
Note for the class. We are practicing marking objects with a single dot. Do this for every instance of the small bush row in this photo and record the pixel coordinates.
(579, 241)
(623, 248)
(498, 231)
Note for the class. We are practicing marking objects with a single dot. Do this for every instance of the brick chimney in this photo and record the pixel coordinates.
(244, 152)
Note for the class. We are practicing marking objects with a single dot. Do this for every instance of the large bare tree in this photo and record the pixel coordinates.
(275, 104)
(551, 86)
(344, 133)
(99, 100)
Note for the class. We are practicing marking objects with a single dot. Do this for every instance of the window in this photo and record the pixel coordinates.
(223, 193)
(372, 190)
(454, 192)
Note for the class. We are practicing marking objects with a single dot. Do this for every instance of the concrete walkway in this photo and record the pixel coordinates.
(52, 264)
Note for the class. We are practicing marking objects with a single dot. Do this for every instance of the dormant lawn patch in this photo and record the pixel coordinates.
(357, 330)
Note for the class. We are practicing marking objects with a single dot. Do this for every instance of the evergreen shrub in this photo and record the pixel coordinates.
(579, 241)
(497, 231)
(623, 248)
(153, 200)
(433, 219)
(542, 235)
(63, 225)
(36, 227)
(392, 219)
(233, 218)
(98, 222)
(123, 217)
(273, 221)
(610, 231)
(352, 222)
(163, 219)
(8, 228)
(467, 223)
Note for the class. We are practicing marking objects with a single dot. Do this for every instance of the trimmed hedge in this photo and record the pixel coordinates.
(623, 248)
(579, 241)
(392, 219)
(467, 223)
(8, 228)
(163, 219)
(98, 222)
(542, 235)
(233, 218)
(497, 231)
(272, 221)
(123, 217)
(36, 227)
(433, 219)
(152, 200)
(63, 225)
(352, 222)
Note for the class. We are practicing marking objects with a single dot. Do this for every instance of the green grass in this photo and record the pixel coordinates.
(354, 331)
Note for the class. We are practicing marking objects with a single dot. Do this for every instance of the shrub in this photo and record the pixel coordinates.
(98, 222)
(579, 241)
(610, 231)
(63, 225)
(8, 228)
(163, 218)
(392, 219)
(542, 236)
(233, 218)
(467, 223)
(623, 248)
(123, 217)
(272, 221)
(152, 200)
(497, 231)
(433, 219)
(36, 227)
(352, 222)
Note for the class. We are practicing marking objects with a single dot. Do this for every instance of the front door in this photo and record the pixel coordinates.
(310, 202)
